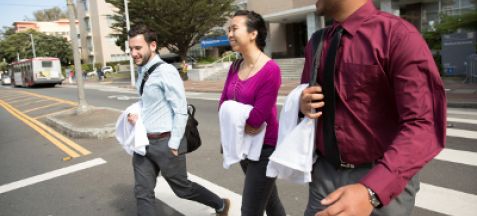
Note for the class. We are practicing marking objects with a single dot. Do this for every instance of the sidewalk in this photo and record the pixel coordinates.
(459, 94)
(101, 121)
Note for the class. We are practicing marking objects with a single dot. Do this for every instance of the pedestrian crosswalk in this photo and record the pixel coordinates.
(432, 198)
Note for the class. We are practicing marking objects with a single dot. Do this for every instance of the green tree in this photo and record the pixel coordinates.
(45, 45)
(450, 24)
(50, 14)
(180, 24)
(6, 31)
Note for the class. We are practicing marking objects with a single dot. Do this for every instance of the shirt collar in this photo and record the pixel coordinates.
(151, 62)
(353, 22)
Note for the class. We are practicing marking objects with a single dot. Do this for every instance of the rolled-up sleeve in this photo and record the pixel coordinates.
(175, 95)
(420, 100)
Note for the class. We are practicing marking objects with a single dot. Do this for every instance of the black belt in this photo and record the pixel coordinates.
(345, 165)
(158, 135)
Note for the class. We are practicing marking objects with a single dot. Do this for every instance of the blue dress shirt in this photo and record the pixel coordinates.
(164, 105)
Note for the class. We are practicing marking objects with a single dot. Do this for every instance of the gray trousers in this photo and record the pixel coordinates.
(326, 179)
(260, 192)
(159, 158)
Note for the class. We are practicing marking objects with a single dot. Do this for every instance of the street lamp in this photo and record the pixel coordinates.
(131, 67)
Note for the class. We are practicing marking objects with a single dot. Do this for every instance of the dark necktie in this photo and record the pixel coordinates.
(331, 147)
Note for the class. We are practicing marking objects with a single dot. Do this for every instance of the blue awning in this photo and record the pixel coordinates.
(215, 42)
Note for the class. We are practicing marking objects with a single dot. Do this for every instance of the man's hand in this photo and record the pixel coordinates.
(348, 200)
(251, 130)
(311, 99)
(132, 118)
(175, 152)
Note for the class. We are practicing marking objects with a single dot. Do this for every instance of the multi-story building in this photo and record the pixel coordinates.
(59, 27)
(292, 22)
(98, 46)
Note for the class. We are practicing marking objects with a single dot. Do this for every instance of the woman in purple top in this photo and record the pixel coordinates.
(255, 80)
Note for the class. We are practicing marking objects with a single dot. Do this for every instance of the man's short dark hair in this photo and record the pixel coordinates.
(149, 34)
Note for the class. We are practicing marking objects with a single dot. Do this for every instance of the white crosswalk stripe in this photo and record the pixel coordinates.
(446, 201)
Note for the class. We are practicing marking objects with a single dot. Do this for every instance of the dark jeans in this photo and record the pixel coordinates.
(260, 192)
(159, 158)
(326, 179)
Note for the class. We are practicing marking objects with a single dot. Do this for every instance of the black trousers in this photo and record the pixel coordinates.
(260, 192)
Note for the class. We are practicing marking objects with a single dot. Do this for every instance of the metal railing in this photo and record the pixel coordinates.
(471, 69)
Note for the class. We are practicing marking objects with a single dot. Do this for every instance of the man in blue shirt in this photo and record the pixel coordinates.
(164, 115)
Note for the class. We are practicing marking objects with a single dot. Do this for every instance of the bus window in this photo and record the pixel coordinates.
(46, 64)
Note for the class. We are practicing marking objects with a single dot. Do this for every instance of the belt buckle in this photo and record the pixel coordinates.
(347, 165)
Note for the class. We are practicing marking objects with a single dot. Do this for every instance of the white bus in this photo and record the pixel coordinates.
(36, 71)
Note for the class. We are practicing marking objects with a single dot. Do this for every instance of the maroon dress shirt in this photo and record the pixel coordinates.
(390, 100)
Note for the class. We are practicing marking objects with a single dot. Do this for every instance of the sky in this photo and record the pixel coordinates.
(16, 10)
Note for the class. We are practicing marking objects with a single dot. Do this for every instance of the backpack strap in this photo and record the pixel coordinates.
(146, 76)
(317, 45)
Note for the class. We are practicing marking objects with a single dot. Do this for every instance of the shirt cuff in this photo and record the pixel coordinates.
(384, 183)
(174, 143)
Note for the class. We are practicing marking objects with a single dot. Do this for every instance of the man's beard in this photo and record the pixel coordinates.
(145, 59)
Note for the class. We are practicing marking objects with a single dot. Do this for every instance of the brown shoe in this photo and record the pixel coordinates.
(225, 211)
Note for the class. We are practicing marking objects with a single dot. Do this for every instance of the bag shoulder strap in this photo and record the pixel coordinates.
(146, 76)
(317, 42)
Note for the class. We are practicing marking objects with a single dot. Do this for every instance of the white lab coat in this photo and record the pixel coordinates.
(236, 144)
(133, 138)
(294, 154)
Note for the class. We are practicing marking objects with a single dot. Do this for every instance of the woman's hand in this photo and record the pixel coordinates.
(251, 130)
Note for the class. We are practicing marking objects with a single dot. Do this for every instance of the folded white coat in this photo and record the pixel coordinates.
(133, 138)
(236, 144)
(294, 155)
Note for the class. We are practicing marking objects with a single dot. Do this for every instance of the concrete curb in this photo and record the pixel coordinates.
(105, 131)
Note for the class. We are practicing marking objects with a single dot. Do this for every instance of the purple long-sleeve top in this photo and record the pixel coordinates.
(259, 91)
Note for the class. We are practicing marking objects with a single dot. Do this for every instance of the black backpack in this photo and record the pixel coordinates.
(191, 133)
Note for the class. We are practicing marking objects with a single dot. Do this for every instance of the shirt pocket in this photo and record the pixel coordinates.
(360, 81)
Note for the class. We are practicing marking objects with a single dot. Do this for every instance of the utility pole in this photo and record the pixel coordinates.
(131, 66)
(33, 46)
(82, 106)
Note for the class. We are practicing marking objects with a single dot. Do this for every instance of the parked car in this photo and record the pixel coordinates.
(107, 69)
(6, 79)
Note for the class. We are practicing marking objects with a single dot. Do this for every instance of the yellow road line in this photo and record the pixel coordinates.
(30, 103)
(53, 140)
(50, 98)
(42, 107)
(16, 98)
(8, 97)
(19, 100)
(42, 116)
(65, 140)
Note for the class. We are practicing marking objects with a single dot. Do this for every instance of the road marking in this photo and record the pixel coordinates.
(50, 98)
(19, 100)
(42, 107)
(14, 97)
(467, 121)
(53, 113)
(50, 175)
(190, 208)
(458, 156)
(30, 103)
(461, 133)
(446, 201)
(41, 128)
(42, 132)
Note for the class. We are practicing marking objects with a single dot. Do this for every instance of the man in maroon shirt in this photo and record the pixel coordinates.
(389, 112)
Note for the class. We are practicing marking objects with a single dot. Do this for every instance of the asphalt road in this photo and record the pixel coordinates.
(101, 182)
